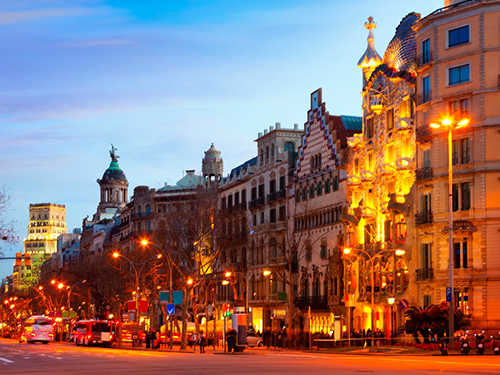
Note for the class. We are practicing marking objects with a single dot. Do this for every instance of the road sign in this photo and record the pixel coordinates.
(448, 294)
(404, 303)
(170, 309)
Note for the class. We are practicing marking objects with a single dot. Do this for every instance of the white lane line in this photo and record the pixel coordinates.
(51, 356)
(6, 360)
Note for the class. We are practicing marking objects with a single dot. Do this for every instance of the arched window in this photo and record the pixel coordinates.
(261, 155)
(267, 152)
(272, 150)
(289, 146)
(148, 209)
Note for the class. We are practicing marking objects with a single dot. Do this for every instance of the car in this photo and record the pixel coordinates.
(36, 329)
(254, 339)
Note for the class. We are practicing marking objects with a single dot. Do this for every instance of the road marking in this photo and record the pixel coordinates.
(51, 356)
(6, 360)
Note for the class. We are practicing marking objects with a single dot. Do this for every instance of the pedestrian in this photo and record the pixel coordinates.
(194, 338)
(157, 340)
(148, 339)
(202, 341)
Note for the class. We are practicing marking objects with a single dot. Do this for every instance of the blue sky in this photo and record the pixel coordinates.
(162, 80)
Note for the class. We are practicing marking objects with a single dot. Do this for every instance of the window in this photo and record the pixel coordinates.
(272, 215)
(461, 151)
(459, 109)
(458, 74)
(311, 191)
(462, 300)
(461, 196)
(461, 253)
(369, 161)
(289, 146)
(282, 213)
(267, 152)
(425, 256)
(356, 166)
(426, 158)
(272, 186)
(272, 248)
(262, 217)
(253, 193)
(319, 188)
(426, 89)
(426, 51)
(261, 191)
(282, 183)
(327, 186)
(323, 253)
(427, 300)
(390, 119)
(369, 128)
(458, 36)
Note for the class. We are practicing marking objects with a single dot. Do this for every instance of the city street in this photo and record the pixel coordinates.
(18, 358)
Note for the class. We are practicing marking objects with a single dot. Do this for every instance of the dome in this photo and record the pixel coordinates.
(212, 153)
(114, 172)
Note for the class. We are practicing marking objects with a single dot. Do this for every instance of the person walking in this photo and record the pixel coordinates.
(194, 339)
(202, 341)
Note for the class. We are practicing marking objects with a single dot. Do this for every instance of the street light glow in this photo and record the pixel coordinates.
(144, 242)
(266, 272)
(60, 286)
(227, 274)
(347, 250)
(116, 255)
(189, 281)
(225, 282)
(446, 122)
(391, 300)
(400, 252)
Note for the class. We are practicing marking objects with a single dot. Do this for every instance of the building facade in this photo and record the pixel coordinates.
(458, 78)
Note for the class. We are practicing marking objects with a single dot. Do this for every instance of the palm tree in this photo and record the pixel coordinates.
(424, 320)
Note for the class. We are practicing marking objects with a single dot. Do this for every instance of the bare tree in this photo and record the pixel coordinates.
(7, 232)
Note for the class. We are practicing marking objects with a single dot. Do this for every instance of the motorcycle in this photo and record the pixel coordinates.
(464, 346)
(496, 345)
(442, 347)
(480, 345)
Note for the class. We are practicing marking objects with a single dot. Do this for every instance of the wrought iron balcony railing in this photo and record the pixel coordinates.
(423, 217)
(425, 274)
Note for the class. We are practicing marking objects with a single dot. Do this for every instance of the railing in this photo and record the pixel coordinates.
(424, 173)
(142, 215)
(315, 302)
(424, 97)
(424, 58)
(466, 2)
(423, 217)
(276, 195)
(256, 203)
(425, 274)
(423, 133)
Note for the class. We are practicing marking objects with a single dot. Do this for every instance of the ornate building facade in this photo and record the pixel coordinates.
(379, 220)
(316, 203)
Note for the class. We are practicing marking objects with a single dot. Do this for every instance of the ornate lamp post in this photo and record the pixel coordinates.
(450, 126)
(347, 251)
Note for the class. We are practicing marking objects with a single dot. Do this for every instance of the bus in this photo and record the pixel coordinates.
(128, 330)
(94, 332)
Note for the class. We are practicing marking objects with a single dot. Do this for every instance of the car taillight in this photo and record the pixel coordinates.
(89, 336)
(111, 337)
(51, 335)
(33, 334)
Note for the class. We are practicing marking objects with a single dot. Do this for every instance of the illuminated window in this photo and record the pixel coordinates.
(400, 228)
(369, 128)
(462, 300)
(390, 119)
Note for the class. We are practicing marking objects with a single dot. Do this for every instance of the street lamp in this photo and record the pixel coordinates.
(171, 293)
(399, 252)
(391, 303)
(450, 125)
(137, 276)
(228, 274)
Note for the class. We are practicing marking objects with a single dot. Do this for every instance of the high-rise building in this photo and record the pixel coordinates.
(47, 222)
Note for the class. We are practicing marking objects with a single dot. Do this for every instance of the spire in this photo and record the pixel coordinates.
(370, 59)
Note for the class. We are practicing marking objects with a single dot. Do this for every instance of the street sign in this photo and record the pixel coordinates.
(404, 303)
(448, 294)
(170, 309)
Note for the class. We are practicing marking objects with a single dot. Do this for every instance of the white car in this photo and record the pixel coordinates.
(36, 329)
(254, 339)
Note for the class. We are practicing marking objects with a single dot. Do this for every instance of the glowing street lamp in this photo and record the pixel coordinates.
(228, 274)
(450, 125)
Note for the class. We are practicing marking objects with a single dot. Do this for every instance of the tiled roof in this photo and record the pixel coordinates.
(353, 122)
(243, 167)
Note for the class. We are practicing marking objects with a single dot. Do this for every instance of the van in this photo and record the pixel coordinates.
(36, 329)
(94, 332)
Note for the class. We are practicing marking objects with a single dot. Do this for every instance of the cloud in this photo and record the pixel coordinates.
(31, 15)
(99, 43)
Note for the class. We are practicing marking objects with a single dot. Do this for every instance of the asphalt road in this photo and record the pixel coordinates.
(54, 359)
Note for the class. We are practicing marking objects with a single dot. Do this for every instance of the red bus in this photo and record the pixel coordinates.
(94, 332)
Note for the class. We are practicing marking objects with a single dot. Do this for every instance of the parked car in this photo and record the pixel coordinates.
(254, 339)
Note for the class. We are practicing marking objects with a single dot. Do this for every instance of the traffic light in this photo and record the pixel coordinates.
(228, 310)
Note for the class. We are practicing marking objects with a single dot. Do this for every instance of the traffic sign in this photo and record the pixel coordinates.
(170, 309)
(448, 294)
(404, 303)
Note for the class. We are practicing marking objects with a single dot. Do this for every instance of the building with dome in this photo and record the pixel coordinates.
(113, 197)
(212, 167)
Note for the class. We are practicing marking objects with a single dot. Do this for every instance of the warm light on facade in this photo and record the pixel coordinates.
(391, 300)
(225, 282)
(266, 273)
